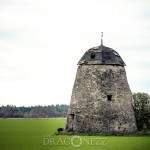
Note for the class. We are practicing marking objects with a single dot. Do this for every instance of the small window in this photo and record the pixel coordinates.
(92, 55)
(109, 97)
(72, 116)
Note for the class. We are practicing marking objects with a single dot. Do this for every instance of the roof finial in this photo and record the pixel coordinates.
(101, 38)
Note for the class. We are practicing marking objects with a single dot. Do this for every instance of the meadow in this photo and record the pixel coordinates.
(39, 134)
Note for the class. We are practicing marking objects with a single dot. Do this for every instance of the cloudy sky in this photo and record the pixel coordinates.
(41, 42)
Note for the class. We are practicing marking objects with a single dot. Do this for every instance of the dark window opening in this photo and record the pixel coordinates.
(92, 55)
(72, 116)
(109, 97)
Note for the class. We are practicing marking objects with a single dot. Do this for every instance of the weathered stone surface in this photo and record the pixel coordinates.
(101, 101)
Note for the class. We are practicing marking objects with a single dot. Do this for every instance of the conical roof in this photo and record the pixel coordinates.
(101, 55)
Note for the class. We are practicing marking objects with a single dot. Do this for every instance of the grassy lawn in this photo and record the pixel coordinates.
(38, 134)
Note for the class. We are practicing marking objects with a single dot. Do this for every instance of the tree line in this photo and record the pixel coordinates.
(11, 111)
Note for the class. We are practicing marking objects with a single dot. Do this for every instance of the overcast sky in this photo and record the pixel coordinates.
(41, 42)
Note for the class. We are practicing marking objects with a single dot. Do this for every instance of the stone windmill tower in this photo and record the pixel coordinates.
(101, 98)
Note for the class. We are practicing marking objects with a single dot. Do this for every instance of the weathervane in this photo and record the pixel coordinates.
(101, 38)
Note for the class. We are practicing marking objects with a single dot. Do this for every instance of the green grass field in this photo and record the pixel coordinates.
(38, 134)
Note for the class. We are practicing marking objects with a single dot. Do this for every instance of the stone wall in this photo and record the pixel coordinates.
(101, 101)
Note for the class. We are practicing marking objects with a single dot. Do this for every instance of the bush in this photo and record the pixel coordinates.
(142, 110)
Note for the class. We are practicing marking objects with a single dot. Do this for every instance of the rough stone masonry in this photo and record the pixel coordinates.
(101, 97)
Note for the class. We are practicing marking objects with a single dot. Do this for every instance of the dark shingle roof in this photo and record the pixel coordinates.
(101, 55)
